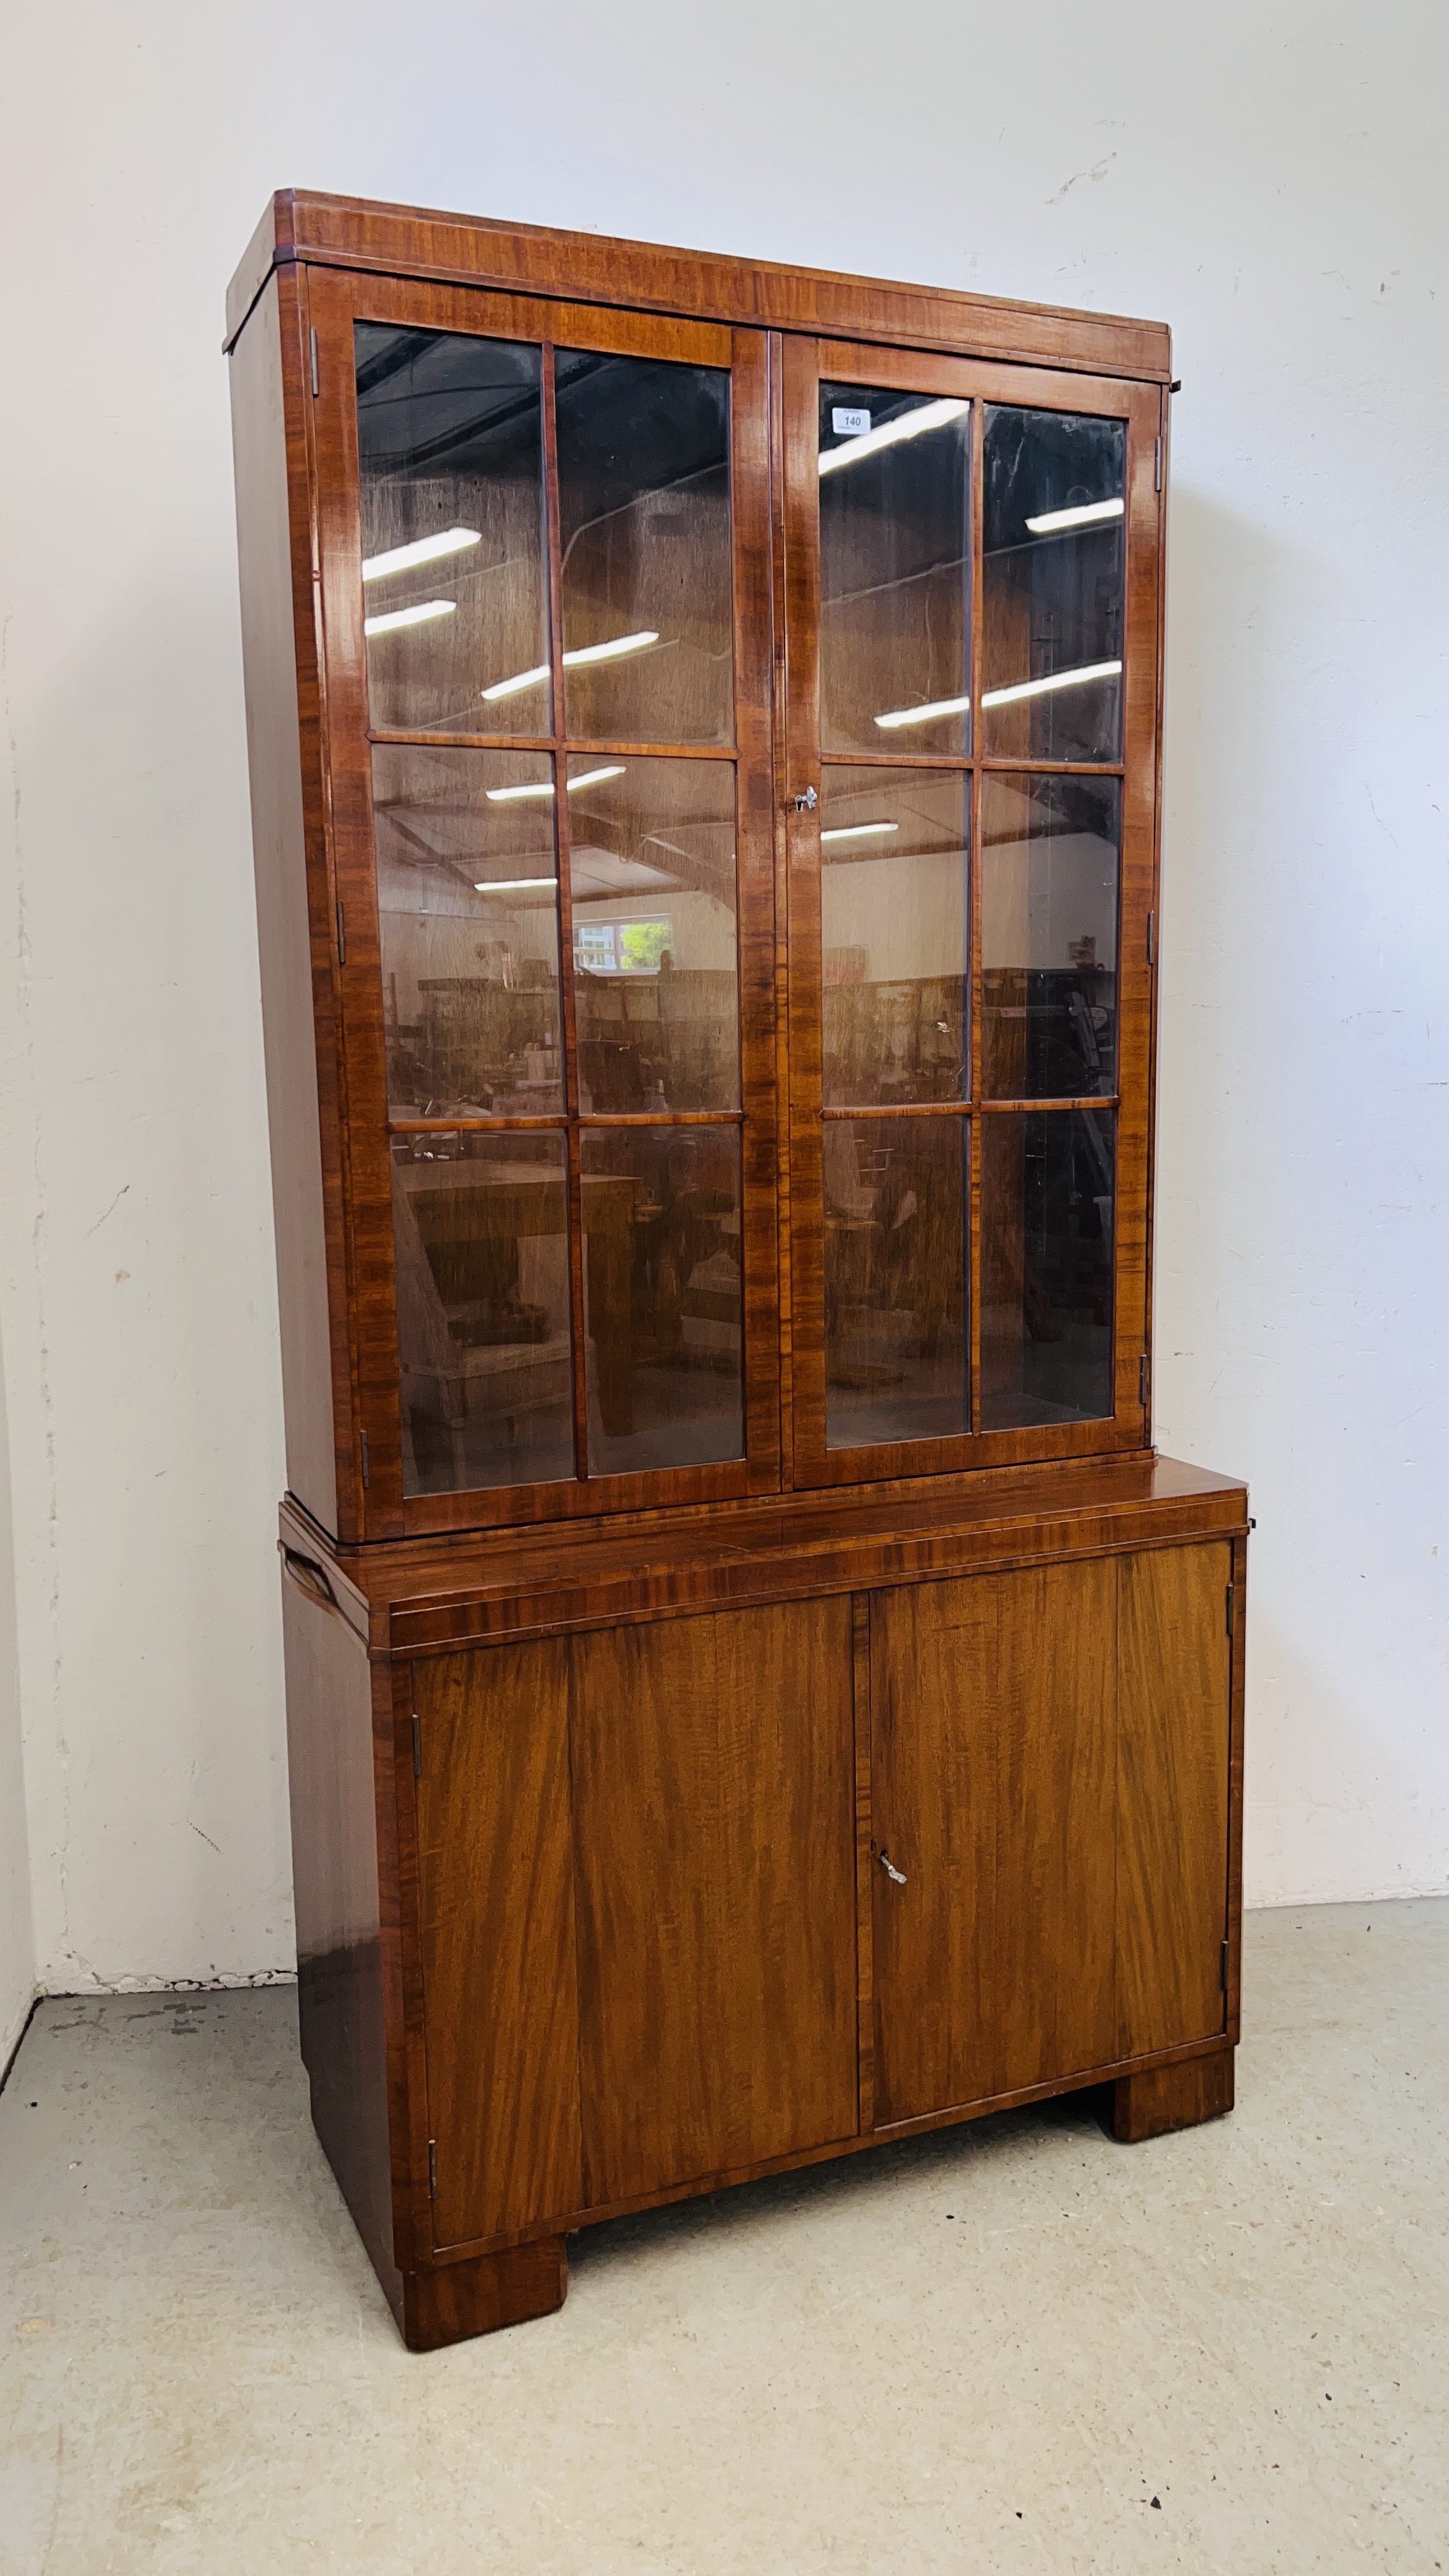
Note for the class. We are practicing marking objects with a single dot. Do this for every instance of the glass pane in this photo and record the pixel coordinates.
(895, 929)
(1047, 1203)
(655, 948)
(895, 571)
(663, 1296)
(480, 1228)
(897, 1363)
(1049, 936)
(1052, 586)
(644, 524)
(450, 450)
(467, 898)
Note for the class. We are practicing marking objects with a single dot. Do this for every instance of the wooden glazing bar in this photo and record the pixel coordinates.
(661, 1118)
(472, 1126)
(965, 1108)
(581, 744)
(1059, 768)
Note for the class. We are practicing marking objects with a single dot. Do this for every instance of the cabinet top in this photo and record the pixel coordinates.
(474, 250)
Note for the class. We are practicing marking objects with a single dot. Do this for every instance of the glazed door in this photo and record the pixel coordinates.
(970, 727)
(543, 546)
(1049, 1879)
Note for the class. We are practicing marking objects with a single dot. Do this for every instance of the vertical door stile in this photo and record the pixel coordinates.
(975, 864)
(757, 806)
(865, 1893)
(780, 771)
(565, 913)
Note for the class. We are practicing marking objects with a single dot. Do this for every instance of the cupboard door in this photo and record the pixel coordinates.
(714, 1809)
(993, 1790)
(1172, 1789)
(496, 1907)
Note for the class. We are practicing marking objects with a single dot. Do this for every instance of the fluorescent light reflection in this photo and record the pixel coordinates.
(610, 652)
(1054, 523)
(514, 885)
(449, 541)
(520, 680)
(1054, 680)
(544, 786)
(941, 707)
(860, 832)
(419, 616)
(932, 714)
(912, 424)
(621, 644)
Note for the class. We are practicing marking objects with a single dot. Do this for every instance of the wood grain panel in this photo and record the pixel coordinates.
(1172, 1793)
(995, 1782)
(340, 1977)
(936, 1776)
(269, 451)
(495, 1870)
(303, 224)
(1054, 1703)
(714, 1796)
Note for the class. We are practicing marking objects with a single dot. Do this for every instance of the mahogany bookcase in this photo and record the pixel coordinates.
(753, 1689)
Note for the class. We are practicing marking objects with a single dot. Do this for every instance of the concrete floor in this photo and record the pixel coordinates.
(1012, 2346)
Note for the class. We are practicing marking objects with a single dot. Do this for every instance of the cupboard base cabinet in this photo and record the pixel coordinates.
(751, 1844)
(753, 1688)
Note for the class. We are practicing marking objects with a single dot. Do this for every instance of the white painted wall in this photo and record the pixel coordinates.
(17, 1930)
(1268, 178)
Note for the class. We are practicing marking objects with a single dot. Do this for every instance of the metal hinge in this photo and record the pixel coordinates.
(315, 384)
(1157, 469)
(1230, 1609)
(364, 1461)
(417, 1746)
(341, 935)
(1152, 939)
(1144, 1367)
(432, 2168)
(1225, 1967)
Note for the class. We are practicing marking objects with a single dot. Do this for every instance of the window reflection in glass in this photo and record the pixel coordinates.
(895, 580)
(895, 913)
(1054, 502)
(468, 910)
(1048, 1195)
(663, 1296)
(644, 528)
(480, 1230)
(896, 1344)
(654, 932)
(1049, 869)
(450, 454)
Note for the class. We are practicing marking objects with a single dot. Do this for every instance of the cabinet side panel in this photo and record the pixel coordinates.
(1172, 1787)
(713, 1780)
(260, 448)
(1056, 1843)
(496, 1904)
(334, 1867)
(935, 1776)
